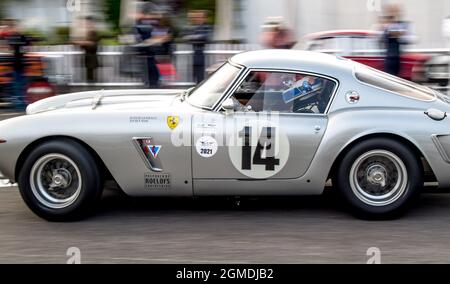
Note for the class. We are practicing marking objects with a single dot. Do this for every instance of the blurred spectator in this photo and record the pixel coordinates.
(147, 40)
(3, 28)
(164, 31)
(276, 36)
(446, 30)
(90, 47)
(3, 32)
(198, 33)
(163, 35)
(17, 42)
(396, 33)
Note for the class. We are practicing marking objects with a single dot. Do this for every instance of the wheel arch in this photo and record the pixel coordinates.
(396, 137)
(20, 161)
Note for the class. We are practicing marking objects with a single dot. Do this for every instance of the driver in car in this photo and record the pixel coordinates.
(303, 92)
(276, 91)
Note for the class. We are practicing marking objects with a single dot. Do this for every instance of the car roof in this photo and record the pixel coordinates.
(335, 33)
(297, 60)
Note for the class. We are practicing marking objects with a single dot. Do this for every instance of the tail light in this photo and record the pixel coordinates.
(38, 90)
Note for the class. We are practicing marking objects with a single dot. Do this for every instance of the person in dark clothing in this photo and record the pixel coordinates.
(146, 44)
(393, 53)
(17, 43)
(198, 35)
(90, 48)
(394, 35)
(164, 32)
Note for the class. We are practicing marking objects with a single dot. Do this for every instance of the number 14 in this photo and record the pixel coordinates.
(265, 143)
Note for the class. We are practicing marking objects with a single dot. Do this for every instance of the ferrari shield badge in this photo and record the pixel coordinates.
(173, 121)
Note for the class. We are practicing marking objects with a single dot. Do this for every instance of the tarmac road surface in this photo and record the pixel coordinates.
(210, 231)
(271, 230)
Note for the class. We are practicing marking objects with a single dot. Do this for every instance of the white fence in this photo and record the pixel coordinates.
(65, 66)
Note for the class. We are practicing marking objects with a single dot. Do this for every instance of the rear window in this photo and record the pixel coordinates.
(393, 84)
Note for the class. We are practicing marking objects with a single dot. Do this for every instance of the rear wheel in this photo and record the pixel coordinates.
(60, 181)
(379, 178)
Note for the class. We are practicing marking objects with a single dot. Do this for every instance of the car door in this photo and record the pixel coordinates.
(270, 134)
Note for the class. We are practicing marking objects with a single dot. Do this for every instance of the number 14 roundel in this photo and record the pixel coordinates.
(259, 149)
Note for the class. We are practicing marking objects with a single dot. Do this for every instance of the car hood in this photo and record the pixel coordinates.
(109, 99)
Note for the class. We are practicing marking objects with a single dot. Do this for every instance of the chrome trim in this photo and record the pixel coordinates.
(377, 174)
(241, 70)
(96, 100)
(239, 79)
(355, 65)
(440, 148)
(248, 70)
(41, 192)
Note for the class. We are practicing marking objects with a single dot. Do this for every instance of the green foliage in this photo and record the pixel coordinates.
(209, 5)
(59, 35)
(112, 12)
(201, 4)
(108, 37)
(62, 34)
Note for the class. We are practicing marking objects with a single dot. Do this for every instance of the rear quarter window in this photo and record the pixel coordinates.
(393, 84)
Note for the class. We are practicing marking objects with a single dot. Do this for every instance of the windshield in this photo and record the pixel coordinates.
(209, 91)
(393, 84)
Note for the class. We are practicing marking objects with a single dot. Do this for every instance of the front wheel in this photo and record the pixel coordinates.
(60, 181)
(379, 178)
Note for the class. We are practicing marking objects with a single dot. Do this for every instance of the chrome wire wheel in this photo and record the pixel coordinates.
(378, 178)
(55, 181)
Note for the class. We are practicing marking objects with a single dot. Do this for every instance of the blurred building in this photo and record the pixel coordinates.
(242, 19)
(45, 15)
(39, 14)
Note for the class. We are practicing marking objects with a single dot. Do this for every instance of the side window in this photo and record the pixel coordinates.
(283, 92)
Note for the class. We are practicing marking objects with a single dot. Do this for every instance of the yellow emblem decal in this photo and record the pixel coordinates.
(173, 121)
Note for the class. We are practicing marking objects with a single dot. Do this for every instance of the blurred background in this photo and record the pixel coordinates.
(51, 47)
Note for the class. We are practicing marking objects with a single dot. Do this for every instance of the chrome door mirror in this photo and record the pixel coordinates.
(228, 105)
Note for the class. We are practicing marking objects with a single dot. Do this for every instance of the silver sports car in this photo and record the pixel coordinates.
(267, 122)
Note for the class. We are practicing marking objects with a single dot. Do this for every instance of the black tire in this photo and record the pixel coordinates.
(351, 181)
(88, 186)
